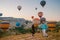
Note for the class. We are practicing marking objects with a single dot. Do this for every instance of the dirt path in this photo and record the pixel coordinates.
(38, 36)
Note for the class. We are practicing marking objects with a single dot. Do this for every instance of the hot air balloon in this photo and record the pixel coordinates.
(40, 14)
(4, 25)
(17, 24)
(35, 8)
(32, 17)
(43, 2)
(0, 14)
(19, 7)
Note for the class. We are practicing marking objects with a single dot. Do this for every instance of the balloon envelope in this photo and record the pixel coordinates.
(32, 17)
(35, 8)
(0, 14)
(40, 14)
(17, 24)
(19, 7)
(43, 3)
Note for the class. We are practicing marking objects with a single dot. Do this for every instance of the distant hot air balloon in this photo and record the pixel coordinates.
(0, 14)
(32, 17)
(17, 24)
(43, 2)
(19, 7)
(35, 8)
(40, 14)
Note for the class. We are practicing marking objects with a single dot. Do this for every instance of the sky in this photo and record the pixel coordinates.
(51, 10)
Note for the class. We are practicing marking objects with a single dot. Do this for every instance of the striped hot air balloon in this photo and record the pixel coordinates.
(40, 14)
(42, 3)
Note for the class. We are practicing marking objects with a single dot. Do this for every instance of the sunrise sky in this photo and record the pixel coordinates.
(51, 10)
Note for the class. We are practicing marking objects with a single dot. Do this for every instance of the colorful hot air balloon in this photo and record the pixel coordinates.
(17, 24)
(19, 7)
(32, 17)
(40, 14)
(43, 2)
(4, 25)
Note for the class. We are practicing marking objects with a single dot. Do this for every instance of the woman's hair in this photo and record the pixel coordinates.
(43, 19)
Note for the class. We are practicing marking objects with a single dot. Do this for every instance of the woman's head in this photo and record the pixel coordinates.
(36, 20)
(43, 20)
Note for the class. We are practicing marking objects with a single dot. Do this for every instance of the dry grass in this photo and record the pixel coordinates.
(38, 36)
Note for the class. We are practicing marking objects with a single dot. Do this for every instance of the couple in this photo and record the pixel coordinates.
(39, 24)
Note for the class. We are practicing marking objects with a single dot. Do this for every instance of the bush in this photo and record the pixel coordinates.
(2, 34)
